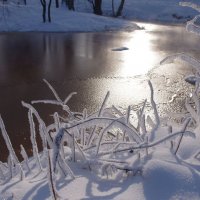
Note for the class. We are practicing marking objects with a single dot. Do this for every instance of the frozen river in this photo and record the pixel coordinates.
(91, 64)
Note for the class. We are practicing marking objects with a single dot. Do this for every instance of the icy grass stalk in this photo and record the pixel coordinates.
(82, 131)
(10, 148)
(73, 148)
(103, 104)
(191, 110)
(58, 100)
(25, 157)
(141, 119)
(2, 176)
(197, 155)
(69, 97)
(102, 121)
(58, 158)
(182, 58)
(42, 127)
(143, 125)
(128, 114)
(92, 134)
(51, 179)
(57, 127)
(53, 91)
(157, 119)
(195, 110)
(150, 121)
(102, 134)
(186, 123)
(56, 147)
(149, 145)
(117, 111)
(33, 139)
(10, 165)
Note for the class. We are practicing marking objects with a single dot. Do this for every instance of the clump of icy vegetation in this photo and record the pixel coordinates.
(105, 142)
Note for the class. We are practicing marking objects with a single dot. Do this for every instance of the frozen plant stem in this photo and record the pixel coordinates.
(2, 176)
(25, 157)
(33, 139)
(102, 134)
(91, 137)
(10, 148)
(157, 119)
(50, 179)
(187, 121)
(149, 145)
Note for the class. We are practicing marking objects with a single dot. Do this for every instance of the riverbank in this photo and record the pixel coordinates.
(18, 17)
(21, 18)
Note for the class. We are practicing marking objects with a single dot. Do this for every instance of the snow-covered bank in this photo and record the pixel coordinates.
(167, 11)
(15, 17)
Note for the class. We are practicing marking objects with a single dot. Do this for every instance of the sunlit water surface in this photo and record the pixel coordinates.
(90, 64)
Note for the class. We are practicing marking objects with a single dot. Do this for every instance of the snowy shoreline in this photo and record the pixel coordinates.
(20, 18)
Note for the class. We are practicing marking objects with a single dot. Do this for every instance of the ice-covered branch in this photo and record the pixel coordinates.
(157, 118)
(103, 104)
(102, 134)
(53, 91)
(10, 148)
(102, 121)
(42, 127)
(33, 139)
(185, 125)
(25, 157)
(69, 97)
(181, 57)
(149, 145)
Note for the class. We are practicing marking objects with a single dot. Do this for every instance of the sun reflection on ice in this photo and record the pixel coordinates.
(140, 57)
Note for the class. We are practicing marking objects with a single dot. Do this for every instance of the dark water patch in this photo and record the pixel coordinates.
(85, 63)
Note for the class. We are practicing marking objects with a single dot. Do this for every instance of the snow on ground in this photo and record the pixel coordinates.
(167, 11)
(17, 17)
(164, 176)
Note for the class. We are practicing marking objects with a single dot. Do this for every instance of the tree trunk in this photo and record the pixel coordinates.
(119, 11)
(57, 3)
(97, 7)
(43, 3)
(113, 8)
(49, 11)
(70, 4)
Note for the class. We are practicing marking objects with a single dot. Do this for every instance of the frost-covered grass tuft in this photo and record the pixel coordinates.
(105, 143)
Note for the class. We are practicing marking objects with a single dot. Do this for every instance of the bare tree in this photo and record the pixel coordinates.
(121, 6)
(70, 4)
(43, 3)
(119, 10)
(57, 3)
(44, 10)
(49, 11)
(96, 4)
